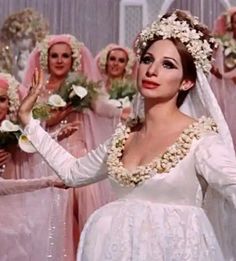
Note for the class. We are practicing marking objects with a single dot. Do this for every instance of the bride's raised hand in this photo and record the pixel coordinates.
(29, 101)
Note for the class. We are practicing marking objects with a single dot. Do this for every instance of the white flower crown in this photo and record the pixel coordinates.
(172, 27)
(25, 23)
(13, 94)
(75, 48)
(129, 66)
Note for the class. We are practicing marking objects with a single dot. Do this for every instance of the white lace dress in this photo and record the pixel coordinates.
(161, 218)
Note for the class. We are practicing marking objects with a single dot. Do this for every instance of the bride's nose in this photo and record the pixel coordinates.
(152, 70)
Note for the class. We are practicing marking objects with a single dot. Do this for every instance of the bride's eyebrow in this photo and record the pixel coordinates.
(171, 58)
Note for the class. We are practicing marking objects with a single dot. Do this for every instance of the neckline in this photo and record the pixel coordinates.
(162, 164)
(151, 163)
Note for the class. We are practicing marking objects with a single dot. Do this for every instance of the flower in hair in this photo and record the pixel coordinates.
(171, 27)
(13, 94)
(75, 46)
(25, 23)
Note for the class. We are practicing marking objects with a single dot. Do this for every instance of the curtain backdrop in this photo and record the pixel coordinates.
(207, 11)
(94, 22)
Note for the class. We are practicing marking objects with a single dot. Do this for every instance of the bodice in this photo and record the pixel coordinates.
(181, 185)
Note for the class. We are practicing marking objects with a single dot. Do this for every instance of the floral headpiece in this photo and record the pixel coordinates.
(102, 61)
(172, 27)
(12, 93)
(75, 48)
(223, 23)
(25, 23)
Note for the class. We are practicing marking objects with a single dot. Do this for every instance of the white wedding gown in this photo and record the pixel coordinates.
(160, 220)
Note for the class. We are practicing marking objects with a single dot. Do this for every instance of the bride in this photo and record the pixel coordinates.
(163, 169)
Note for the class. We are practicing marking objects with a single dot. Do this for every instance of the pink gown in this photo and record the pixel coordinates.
(20, 224)
(102, 122)
(225, 92)
(51, 213)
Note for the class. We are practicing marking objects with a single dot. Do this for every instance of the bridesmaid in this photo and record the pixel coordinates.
(223, 78)
(59, 56)
(17, 212)
(114, 63)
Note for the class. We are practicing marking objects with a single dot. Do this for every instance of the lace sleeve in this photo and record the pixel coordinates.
(13, 186)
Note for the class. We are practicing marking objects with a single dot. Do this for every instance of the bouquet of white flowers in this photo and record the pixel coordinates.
(76, 91)
(10, 134)
(122, 92)
(229, 45)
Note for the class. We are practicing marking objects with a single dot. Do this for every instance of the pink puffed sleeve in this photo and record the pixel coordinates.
(14, 186)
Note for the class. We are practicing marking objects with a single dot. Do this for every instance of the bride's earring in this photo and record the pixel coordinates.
(183, 88)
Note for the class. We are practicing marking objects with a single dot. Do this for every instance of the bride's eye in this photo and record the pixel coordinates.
(168, 64)
(147, 59)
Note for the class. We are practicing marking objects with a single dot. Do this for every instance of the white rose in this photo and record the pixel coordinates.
(79, 91)
(55, 100)
(8, 126)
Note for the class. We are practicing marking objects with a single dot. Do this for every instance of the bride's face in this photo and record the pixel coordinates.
(60, 60)
(160, 72)
(4, 103)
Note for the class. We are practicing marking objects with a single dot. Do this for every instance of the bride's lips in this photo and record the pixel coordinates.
(150, 84)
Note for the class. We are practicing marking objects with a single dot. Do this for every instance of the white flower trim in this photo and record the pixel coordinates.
(171, 27)
(102, 61)
(75, 46)
(160, 165)
(13, 94)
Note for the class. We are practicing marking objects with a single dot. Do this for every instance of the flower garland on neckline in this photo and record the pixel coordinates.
(159, 165)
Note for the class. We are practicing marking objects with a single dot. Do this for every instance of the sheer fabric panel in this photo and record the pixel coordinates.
(94, 22)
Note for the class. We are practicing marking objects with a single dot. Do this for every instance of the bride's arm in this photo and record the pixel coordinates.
(74, 172)
(13, 186)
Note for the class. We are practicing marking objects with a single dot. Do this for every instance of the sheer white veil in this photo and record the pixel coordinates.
(201, 101)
